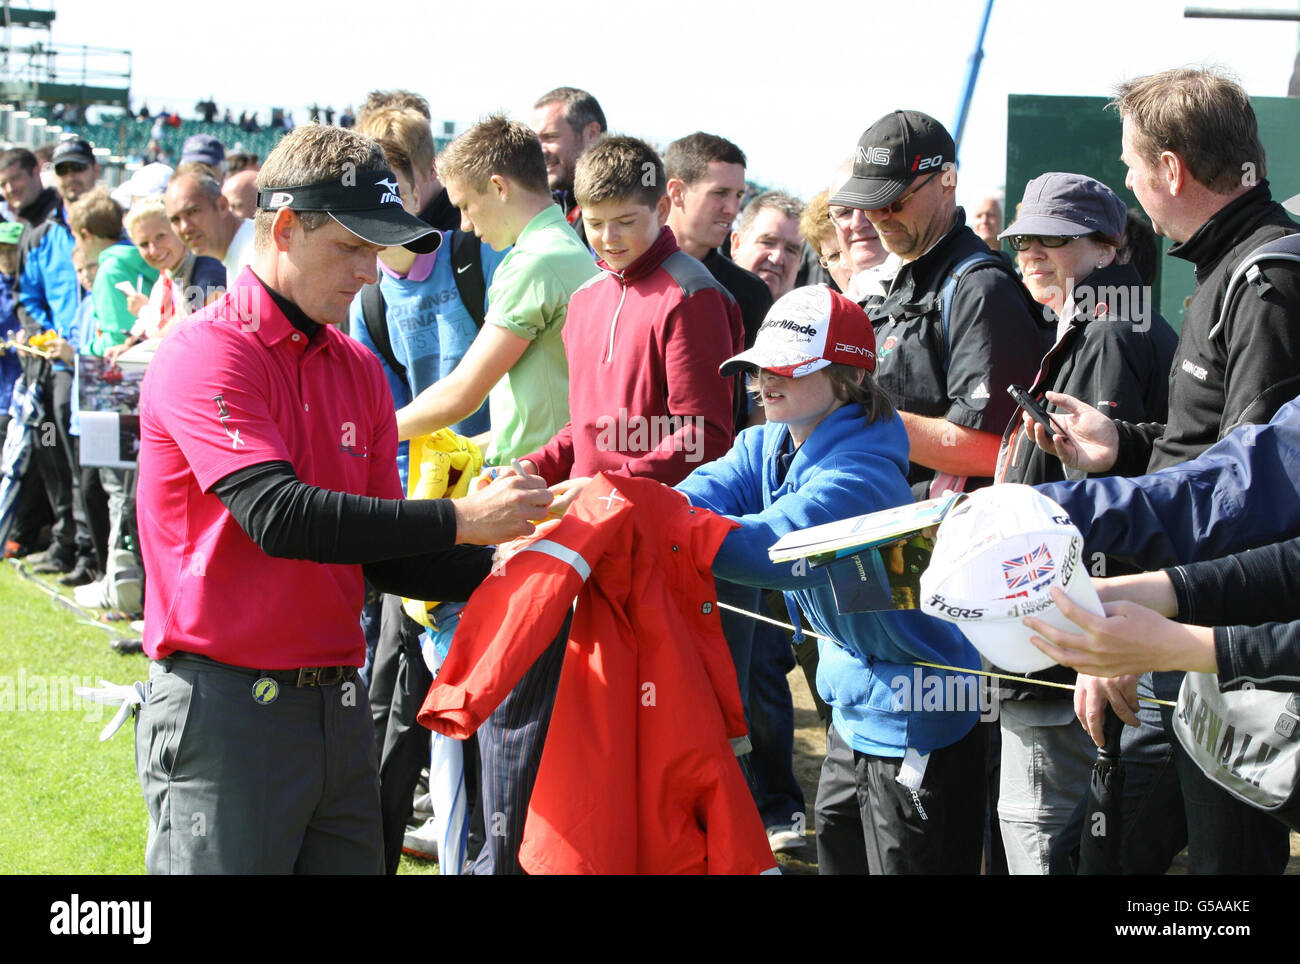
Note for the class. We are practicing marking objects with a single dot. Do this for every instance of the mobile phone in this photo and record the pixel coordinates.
(1036, 411)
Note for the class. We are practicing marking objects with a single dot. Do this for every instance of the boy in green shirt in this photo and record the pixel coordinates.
(495, 174)
(96, 224)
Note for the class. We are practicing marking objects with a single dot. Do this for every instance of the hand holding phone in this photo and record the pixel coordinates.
(1035, 410)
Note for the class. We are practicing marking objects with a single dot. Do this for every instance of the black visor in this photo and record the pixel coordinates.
(367, 203)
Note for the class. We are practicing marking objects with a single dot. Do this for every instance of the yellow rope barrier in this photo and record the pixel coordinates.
(955, 669)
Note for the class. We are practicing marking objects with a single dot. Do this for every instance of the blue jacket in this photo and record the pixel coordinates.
(844, 468)
(1242, 492)
(48, 291)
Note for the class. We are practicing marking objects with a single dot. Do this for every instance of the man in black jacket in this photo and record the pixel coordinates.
(567, 121)
(947, 376)
(1197, 167)
(956, 327)
(706, 182)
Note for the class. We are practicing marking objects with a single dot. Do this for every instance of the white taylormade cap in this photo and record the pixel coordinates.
(996, 558)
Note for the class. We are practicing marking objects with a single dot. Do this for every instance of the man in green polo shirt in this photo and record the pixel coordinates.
(495, 173)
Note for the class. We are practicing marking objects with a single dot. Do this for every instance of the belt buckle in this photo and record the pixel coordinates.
(320, 675)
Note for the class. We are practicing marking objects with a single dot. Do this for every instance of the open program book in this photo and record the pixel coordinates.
(874, 561)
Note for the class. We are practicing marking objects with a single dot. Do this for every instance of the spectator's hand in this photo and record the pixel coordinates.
(1091, 442)
(1128, 639)
(20, 336)
(503, 510)
(1091, 696)
(565, 493)
(62, 350)
(112, 354)
(135, 301)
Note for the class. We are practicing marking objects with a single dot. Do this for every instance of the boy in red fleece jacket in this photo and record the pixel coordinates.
(643, 339)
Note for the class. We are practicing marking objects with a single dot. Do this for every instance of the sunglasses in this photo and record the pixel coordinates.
(843, 216)
(1021, 242)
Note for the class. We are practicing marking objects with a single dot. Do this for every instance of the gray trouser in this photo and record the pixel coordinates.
(1047, 759)
(234, 786)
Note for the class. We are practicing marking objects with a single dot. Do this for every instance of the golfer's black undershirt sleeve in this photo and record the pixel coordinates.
(290, 519)
(446, 576)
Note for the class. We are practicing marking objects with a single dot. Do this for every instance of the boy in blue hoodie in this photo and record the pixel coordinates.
(901, 788)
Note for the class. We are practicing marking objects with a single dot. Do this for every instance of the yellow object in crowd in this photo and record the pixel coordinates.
(440, 466)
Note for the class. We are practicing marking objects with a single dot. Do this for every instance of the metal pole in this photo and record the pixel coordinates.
(972, 73)
(1215, 13)
(1293, 88)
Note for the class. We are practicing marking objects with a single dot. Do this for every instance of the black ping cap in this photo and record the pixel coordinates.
(73, 150)
(891, 154)
(369, 205)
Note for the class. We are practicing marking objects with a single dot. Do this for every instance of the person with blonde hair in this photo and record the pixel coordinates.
(186, 281)
(400, 123)
(819, 231)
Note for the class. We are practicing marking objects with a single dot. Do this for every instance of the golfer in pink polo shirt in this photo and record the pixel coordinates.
(268, 488)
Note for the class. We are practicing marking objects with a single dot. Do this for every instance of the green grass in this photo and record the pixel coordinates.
(68, 803)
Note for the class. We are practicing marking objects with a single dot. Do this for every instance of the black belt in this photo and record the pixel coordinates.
(304, 676)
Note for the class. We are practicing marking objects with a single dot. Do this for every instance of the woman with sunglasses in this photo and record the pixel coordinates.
(1112, 347)
(1114, 350)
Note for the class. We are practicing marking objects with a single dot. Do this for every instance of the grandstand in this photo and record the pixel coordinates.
(46, 88)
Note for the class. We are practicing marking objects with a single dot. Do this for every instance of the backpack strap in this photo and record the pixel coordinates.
(374, 314)
(1247, 272)
(943, 481)
(949, 291)
(467, 268)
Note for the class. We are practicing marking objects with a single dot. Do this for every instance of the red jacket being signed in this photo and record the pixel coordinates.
(638, 774)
